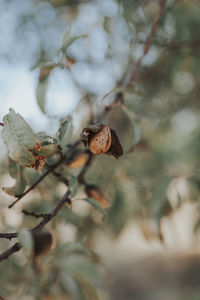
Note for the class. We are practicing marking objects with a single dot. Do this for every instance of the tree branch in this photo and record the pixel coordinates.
(130, 76)
(1, 124)
(8, 236)
(46, 219)
(15, 248)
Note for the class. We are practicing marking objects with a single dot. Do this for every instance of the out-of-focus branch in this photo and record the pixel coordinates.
(46, 218)
(1, 124)
(131, 75)
(174, 45)
(179, 45)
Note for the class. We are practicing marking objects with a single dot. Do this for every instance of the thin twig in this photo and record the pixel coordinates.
(1, 124)
(46, 219)
(30, 188)
(32, 214)
(130, 76)
(15, 248)
(8, 236)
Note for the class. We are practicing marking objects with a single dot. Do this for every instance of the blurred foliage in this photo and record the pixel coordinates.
(96, 43)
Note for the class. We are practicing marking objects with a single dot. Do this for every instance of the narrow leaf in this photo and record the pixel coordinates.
(117, 214)
(137, 130)
(41, 93)
(87, 287)
(73, 186)
(159, 196)
(64, 126)
(95, 204)
(75, 247)
(68, 41)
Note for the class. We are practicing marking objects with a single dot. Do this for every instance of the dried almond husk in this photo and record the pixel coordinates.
(102, 140)
(42, 242)
(77, 159)
(93, 191)
(116, 147)
(88, 132)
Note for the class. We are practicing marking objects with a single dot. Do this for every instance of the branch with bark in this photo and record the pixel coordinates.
(131, 75)
(46, 218)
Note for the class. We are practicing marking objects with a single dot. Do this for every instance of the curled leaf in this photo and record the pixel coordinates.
(93, 191)
(45, 71)
(16, 172)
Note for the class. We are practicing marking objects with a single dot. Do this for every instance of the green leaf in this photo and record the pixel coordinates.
(19, 139)
(68, 40)
(106, 24)
(81, 265)
(137, 130)
(159, 196)
(117, 214)
(41, 92)
(64, 126)
(13, 168)
(87, 287)
(95, 204)
(21, 182)
(49, 144)
(73, 186)
(76, 247)
(25, 239)
(70, 217)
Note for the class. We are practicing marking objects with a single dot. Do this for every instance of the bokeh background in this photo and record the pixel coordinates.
(60, 58)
